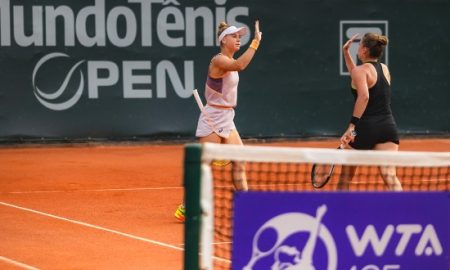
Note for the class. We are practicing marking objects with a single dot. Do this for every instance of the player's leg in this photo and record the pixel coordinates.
(239, 177)
(347, 173)
(345, 178)
(388, 173)
(211, 138)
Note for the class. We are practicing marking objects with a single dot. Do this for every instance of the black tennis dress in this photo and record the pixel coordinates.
(377, 124)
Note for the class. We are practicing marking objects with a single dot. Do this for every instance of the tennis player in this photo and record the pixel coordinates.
(372, 125)
(216, 122)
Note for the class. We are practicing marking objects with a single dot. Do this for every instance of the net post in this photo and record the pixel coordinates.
(192, 178)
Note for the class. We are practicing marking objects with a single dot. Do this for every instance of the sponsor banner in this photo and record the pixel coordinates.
(345, 231)
(107, 69)
(126, 68)
(348, 29)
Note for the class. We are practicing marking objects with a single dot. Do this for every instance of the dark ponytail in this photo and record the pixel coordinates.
(375, 43)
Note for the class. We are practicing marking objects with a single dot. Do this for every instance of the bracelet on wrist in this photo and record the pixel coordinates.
(255, 44)
(354, 120)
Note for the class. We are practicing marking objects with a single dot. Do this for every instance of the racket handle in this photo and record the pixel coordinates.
(198, 99)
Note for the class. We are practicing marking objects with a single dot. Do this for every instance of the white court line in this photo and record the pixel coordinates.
(166, 188)
(105, 229)
(94, 227)
(222, 243)
(16, 263)
(91, 190)
(217, 243)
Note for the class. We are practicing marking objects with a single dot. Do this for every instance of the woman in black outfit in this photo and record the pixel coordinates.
(372, 125)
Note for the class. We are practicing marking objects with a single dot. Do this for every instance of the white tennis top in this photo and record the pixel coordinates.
(222, 91)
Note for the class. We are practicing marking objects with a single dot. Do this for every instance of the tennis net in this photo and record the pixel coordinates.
(210, 185)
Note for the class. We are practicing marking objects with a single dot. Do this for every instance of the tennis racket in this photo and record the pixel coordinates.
(219, 163)
(321, 173)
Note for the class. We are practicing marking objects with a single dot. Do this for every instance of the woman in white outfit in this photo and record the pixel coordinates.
(216, 122)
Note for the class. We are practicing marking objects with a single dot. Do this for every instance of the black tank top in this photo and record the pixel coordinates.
(379, 95)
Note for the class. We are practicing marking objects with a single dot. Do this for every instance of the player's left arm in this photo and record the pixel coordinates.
(227, 64)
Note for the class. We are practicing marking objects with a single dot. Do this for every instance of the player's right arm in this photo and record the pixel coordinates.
(347, 57)
(359, 80)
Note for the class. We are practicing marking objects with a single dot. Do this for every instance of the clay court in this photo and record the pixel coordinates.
(92, 206)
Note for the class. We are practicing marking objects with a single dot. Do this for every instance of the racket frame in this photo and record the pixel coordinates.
(328, 177)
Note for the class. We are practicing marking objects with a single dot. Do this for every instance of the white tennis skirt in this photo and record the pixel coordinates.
(217, 120)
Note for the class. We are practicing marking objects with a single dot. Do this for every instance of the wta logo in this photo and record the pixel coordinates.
(298, 241)
(277, 239)
(297, 231)
(53, 99)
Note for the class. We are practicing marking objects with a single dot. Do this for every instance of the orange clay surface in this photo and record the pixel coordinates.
(103, 206)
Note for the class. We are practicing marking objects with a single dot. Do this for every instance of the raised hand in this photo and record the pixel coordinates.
(349, 42)
(258, 34)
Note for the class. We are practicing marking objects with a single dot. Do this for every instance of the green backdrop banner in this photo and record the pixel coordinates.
(117, 69)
